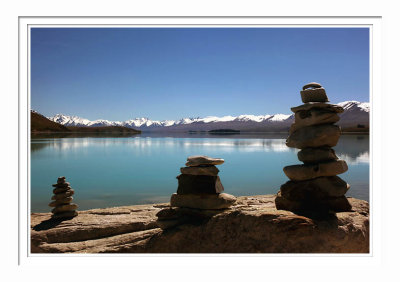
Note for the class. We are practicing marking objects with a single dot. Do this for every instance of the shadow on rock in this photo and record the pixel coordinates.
(314, 215)
(50, 223)
(173, 216)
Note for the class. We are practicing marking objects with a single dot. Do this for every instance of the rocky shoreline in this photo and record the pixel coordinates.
(251, 225)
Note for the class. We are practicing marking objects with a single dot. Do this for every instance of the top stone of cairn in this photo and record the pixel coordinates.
(61, 180)
(313, 92)
(203, 160)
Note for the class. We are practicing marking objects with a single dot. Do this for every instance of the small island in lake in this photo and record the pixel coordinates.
(224, 131)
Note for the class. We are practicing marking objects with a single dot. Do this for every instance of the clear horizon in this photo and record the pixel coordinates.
(119, 74)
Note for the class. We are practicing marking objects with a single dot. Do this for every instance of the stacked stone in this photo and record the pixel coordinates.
(199, 193)
(62, 198)
(314, 186)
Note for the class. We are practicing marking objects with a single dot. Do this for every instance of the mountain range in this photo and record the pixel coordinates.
(355, 117)
(41, 124)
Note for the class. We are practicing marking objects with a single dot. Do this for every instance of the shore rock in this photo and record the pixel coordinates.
(314, 136)
(172, 216)
(174, 213)
(310, 171)
(251, 225)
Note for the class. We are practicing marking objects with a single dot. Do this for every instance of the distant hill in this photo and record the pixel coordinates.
(41, 124)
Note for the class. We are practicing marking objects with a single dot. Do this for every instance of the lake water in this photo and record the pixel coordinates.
(117, 171)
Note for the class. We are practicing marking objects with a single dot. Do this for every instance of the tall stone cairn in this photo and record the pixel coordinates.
(314, 186)
(62, 198)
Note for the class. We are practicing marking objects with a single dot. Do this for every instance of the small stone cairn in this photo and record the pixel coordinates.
(62, 198)
(199, 193)
(314, 186)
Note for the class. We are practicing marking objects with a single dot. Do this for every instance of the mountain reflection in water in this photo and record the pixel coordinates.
(115, 171)
(351, 148)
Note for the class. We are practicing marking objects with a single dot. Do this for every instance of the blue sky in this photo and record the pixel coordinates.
(170, 73)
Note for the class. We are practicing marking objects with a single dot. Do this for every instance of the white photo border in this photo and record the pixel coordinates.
(26, 23)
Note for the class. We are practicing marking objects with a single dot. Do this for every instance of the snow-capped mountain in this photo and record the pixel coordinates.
(355, 105)
(145, 122)
(355, 113)
(70, 120)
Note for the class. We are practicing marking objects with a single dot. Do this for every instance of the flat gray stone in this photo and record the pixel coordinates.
(218, 185)
(200, 170)
(316, 155)
(64, 208)
(67, 214)
(203, 160)
(318, 188)
(306, 172)
(63, 195)
(61, 202)
(205, 201)
(312, 85)
(61, 179)
(61, 185)
(199, 184)
(61, 190)
(314, 136)
(318, 105)
(314, 95)
(313, 117)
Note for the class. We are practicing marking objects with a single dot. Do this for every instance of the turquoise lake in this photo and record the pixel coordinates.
(142, 169)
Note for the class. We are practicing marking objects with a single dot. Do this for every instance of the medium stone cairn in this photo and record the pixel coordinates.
(314, 186)
(62, 198)
(199, 193)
